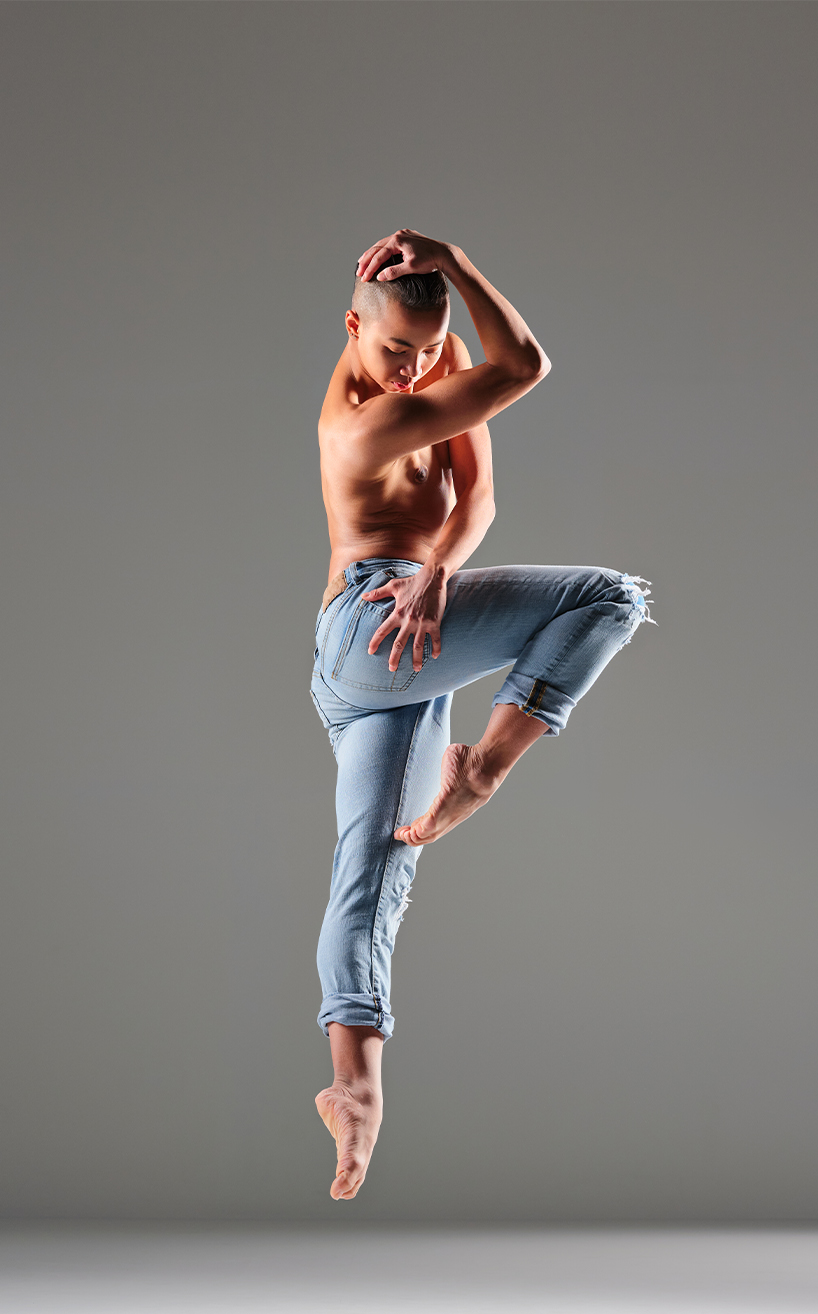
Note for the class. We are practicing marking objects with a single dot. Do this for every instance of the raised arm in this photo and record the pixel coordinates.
(504, 335)
(391, 425)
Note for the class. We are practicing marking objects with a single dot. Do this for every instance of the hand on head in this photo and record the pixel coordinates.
(421, 255)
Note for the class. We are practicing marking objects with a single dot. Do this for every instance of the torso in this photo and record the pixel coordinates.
(400, 511)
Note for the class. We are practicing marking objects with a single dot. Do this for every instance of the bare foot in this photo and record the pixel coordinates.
(464, 787)
(354, 1118)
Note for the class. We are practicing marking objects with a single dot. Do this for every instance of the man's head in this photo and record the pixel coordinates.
(398, 326)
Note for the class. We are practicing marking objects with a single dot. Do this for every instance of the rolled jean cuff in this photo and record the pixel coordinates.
(536, 698)
(357, 1011)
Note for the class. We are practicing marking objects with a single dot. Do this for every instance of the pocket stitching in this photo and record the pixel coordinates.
(383, 571)
(337, 608)
(358, 684)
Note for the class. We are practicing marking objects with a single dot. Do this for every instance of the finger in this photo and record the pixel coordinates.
(362, 259)
(417, 650)
(370, 251)
(366, 260)
(376, 246)
(377, 593)
(435, 643)
(396, 653)
(379, 635)
(381, 252)
(395, 271)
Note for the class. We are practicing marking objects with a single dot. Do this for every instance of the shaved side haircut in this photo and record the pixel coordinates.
(415, 291)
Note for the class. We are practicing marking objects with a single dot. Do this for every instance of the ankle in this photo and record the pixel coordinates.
(490, 770)
(362, 1089)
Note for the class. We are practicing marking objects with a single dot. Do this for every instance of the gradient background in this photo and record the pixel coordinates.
(605, 985)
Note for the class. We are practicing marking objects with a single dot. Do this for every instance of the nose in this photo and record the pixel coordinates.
(412, 371)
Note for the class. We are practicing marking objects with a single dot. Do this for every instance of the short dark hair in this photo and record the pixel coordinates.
(415, 291)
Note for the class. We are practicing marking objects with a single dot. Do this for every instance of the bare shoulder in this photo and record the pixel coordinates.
(375, 431)
(340, 403)
(345, 411)
(456, 353)
(346, 417)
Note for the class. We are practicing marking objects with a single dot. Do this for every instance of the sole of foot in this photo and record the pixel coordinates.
(463, 789)
(353, 1119)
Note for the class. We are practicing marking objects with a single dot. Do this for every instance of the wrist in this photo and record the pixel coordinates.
(437, 568)
(452, 261)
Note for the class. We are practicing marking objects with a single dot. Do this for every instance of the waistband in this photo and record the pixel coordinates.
(358, 570)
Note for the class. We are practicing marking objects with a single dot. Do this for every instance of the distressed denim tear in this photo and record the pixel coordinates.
(637, 589)
(404, 903)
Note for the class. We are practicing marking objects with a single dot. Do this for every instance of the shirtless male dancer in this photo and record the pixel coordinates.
(407, 483)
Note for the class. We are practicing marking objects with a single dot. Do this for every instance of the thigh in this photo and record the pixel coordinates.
(388, 773)
(491, 614)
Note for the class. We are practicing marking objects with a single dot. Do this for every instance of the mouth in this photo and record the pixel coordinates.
(402, 387)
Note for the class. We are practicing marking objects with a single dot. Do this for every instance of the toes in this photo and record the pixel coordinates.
(405, 833)
(417, 832)
(347, 1181)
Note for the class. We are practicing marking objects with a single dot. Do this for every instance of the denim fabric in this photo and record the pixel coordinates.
(557, 626)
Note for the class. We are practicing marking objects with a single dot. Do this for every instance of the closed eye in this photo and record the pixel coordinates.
(429, 351)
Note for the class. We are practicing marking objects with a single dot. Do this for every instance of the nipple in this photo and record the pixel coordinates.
(420, 474)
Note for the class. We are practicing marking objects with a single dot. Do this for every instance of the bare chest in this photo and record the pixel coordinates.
(418, 479)
(418, 487)
(418, 470)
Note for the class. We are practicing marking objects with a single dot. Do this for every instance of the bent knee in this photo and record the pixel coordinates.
(629, 593)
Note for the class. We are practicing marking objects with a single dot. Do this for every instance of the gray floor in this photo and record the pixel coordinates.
(340, 1271)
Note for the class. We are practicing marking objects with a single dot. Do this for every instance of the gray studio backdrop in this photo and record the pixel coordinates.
(605, 985)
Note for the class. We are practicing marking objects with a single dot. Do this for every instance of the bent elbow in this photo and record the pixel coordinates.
(536, 365)
(544, 367)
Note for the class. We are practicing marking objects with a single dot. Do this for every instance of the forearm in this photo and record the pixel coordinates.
(466, 526)
(504, 335)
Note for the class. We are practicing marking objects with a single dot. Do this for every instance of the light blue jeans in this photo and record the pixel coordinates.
(558, 625)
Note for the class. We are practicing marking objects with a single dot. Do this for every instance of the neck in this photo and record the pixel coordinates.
(365, 383)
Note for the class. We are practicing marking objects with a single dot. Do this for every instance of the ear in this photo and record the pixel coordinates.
(353, 323)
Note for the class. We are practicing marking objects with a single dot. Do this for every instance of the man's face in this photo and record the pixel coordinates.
(401, 346)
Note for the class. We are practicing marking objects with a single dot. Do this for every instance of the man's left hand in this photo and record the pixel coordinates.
(420, 601)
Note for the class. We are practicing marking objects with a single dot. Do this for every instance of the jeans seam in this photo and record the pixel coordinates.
(322, 714)
(336, 696)
(379, 1006)
(528, 707)
(391, 850)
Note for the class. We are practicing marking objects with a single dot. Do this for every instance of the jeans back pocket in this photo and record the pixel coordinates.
(354, 665)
